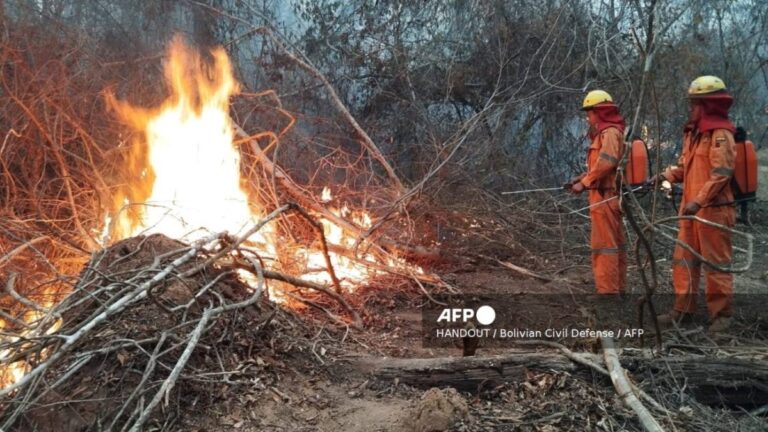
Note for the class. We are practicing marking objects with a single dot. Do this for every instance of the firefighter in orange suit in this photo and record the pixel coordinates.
(606, 130)
(705, 169)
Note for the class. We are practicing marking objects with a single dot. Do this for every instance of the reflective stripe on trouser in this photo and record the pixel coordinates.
(715, 246)
(609, 255)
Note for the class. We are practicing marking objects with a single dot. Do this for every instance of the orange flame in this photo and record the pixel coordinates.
(37, 320)
(326, 195)
(185, 173)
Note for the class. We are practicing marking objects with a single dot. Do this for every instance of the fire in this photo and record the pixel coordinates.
(12, 372)
(326, 195)
(37, 321)
(185, 174)
(190, 171)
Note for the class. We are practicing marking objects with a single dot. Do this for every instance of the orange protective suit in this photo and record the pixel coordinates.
(705, 168)
(609, 255)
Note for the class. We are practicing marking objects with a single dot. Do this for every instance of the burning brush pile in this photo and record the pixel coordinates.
(198, 241)
(143, 329)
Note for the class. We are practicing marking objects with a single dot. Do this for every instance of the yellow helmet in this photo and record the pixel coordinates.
(595, 97)
(704, 85)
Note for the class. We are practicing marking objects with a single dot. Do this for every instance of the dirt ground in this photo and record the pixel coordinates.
(325, 394)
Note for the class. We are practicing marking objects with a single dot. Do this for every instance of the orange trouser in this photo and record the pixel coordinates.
(609, 255)
(715, 246)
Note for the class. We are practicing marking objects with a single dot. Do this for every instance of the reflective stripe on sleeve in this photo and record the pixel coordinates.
(608, 157)
(723, 171)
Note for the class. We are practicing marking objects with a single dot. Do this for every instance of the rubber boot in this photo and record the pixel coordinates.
(719, 325)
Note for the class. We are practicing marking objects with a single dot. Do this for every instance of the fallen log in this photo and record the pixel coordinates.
(712, 381)
(465, 373)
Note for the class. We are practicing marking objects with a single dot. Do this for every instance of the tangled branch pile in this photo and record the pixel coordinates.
(154, 326)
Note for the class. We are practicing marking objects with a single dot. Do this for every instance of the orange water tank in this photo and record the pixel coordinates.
(745, 172)
(637, 163)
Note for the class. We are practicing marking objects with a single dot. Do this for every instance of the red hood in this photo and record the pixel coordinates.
(714, 113)
(608, 116)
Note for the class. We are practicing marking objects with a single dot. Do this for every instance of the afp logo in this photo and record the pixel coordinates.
(485, 315)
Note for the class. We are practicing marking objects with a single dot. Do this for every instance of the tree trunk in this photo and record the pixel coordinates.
(465, 373)
(712, 381)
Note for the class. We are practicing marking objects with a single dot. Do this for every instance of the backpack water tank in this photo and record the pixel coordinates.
(637, 169)
(745, 172)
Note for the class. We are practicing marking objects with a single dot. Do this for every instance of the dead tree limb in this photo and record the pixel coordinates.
(324, 244)
(624, 390)
(456, 141)
(518, 269)
(301, 283)
(18, 249)
(304, 198)
(366, 140)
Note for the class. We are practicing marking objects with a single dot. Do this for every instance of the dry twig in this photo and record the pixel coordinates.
(624, 390)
